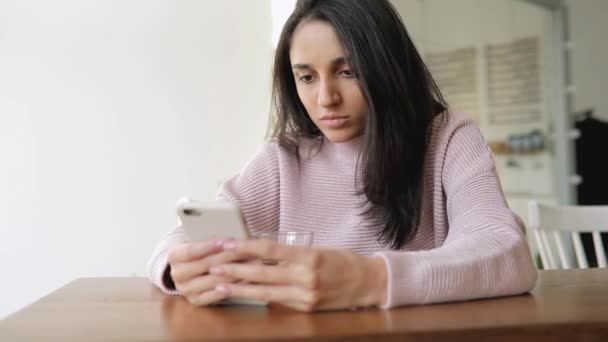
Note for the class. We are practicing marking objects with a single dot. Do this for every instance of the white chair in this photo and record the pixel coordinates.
(547, 221)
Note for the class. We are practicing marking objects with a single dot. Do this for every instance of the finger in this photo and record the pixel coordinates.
(291, 274)
(201, 284)
(271, 249)
(189, 251)
(207, 298)
(182, 272)
(267, 293)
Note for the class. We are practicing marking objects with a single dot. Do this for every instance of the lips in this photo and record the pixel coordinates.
(333, 121)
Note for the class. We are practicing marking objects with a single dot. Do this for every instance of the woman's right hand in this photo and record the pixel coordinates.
(190, 263)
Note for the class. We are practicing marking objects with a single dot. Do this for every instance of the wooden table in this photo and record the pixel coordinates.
(565, 306)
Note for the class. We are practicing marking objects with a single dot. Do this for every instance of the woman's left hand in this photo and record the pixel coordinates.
(304, 278)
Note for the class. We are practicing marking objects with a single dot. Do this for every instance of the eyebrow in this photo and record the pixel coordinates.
(335, 61)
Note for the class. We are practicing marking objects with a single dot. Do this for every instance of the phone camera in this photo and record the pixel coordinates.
(192, 212)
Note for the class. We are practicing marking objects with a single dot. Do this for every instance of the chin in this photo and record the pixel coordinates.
(340, 137)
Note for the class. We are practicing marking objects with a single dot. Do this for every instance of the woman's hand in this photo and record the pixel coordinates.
(190, 263)
(304, 278)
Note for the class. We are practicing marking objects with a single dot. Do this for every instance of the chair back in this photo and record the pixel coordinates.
(549, 222)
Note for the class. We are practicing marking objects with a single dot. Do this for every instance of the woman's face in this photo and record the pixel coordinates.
(326, 85)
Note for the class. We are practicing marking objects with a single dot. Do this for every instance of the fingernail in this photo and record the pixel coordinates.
(222, 288)
(217, 270)
(231, 244)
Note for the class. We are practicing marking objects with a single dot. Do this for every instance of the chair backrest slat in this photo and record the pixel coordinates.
(549, 250)
(600, 254)
(561, 250)
(581, 258)
(541, 248)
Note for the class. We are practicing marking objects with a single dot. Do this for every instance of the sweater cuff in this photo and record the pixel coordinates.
(407, 278)
(158, 268)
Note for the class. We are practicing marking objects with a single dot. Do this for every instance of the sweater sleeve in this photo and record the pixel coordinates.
(158, 267)
(485, 253)
(256, 190)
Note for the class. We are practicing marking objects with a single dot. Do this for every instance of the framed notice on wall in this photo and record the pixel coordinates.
(514, 82)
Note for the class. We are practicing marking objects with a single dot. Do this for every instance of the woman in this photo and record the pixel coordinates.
(402, 196)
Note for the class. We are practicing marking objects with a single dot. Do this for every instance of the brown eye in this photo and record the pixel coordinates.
(347, 73)
(306, 78)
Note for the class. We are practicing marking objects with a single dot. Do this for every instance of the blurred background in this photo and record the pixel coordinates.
(112, 110)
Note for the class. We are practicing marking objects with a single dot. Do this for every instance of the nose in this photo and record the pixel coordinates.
(329, 95)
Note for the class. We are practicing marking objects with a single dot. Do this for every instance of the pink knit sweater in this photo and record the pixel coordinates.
(469, 243)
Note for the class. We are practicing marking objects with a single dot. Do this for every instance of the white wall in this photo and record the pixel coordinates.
(109, 111)
(588, 24)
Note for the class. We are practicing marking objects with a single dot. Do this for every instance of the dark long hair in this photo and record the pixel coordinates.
(401, 95)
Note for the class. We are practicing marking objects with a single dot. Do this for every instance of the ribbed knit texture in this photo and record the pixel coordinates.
(469, 243)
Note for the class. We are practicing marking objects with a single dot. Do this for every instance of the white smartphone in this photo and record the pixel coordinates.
(208, 220)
